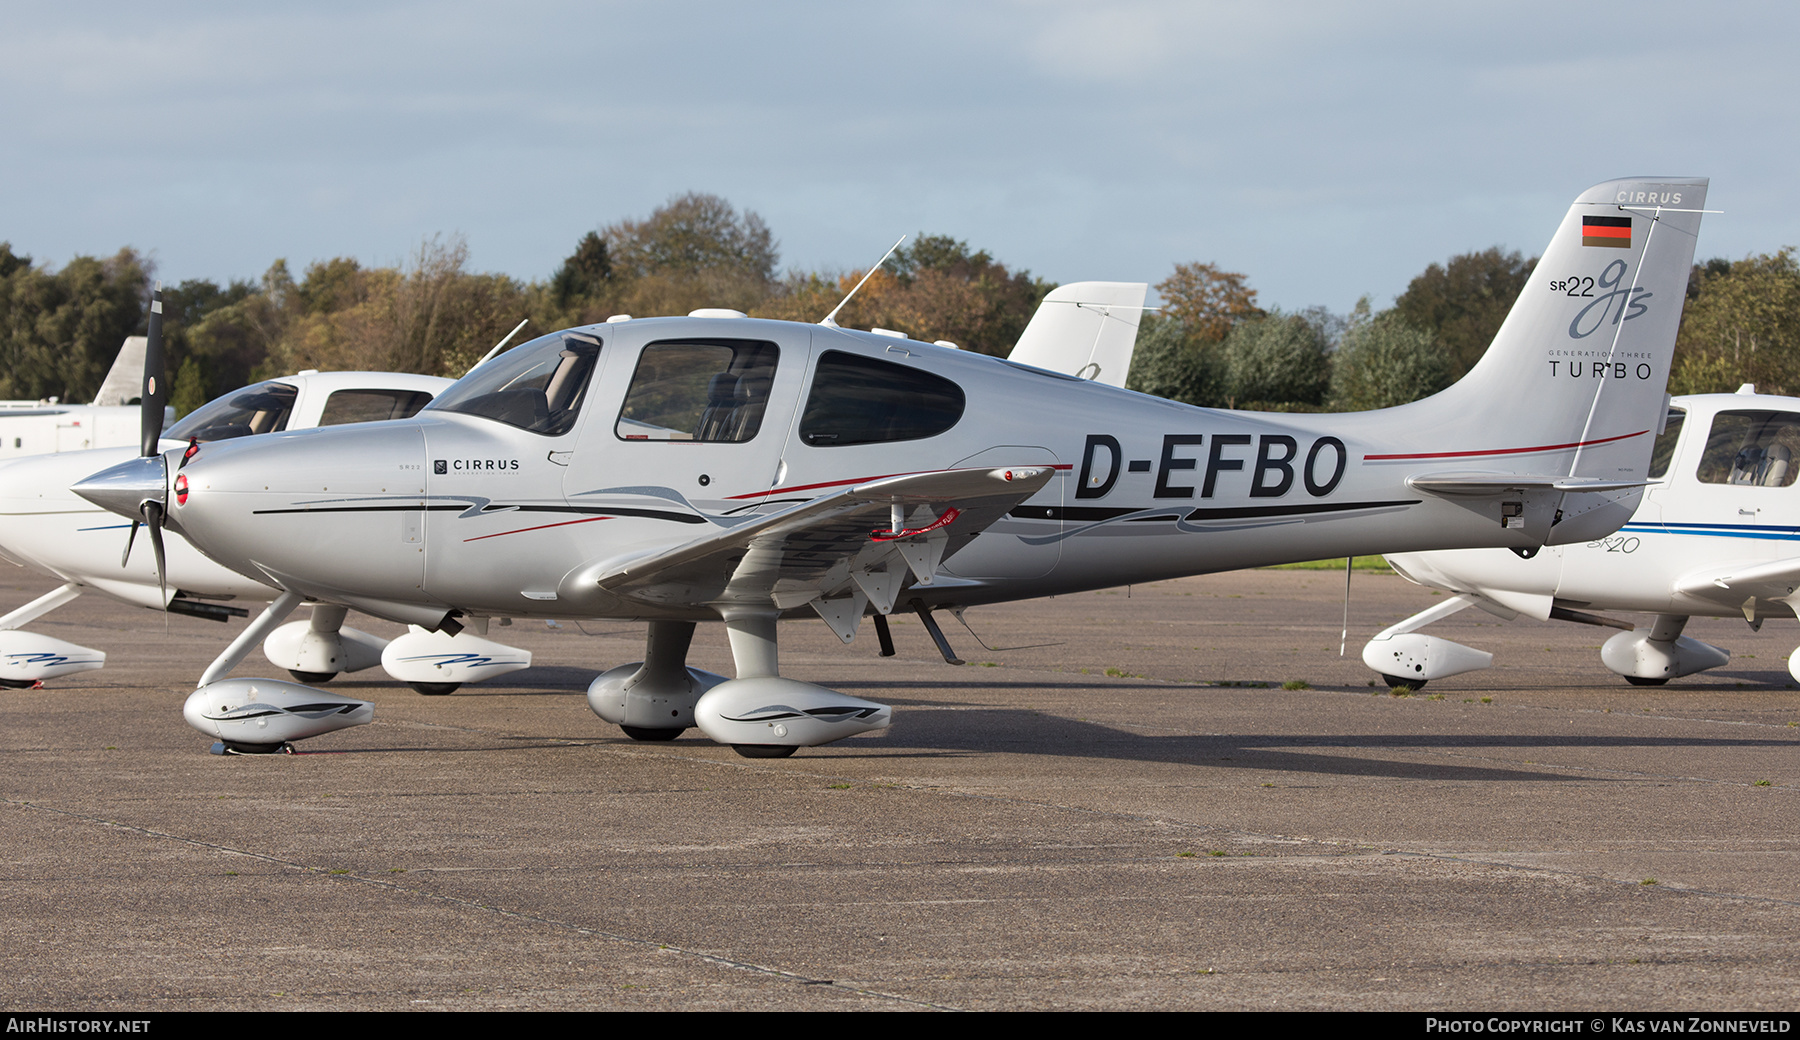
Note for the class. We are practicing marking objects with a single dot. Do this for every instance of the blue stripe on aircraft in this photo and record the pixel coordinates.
(1762, 531)
(109, 527)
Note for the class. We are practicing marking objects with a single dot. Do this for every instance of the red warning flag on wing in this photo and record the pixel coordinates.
(1606, 231)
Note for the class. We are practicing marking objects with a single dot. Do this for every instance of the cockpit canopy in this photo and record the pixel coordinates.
(536, 386)
(269, 407)
(263, 408)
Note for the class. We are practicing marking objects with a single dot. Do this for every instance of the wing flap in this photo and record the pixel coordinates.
(816, 548)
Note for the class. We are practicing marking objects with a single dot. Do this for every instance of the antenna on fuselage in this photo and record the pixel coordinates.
(489, 356)
(830, 320)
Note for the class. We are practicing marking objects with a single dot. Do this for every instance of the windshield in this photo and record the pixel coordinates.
(536, 386)
(263, 408)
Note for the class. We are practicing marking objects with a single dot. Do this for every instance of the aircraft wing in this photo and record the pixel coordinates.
(1742, 586)
(857, 543)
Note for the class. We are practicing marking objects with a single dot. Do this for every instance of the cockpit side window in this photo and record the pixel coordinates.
(1664, 450)
(371, 405)
(537, 386)
(263, 408)
(1752, 449)
(859, 400)
(708, 390)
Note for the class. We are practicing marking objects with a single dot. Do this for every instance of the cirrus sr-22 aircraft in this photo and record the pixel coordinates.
(725, 469)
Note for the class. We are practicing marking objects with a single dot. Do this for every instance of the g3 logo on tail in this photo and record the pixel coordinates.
(1630, 299)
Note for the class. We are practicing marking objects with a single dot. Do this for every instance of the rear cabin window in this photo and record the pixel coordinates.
(1664, 450)
(699, 391)
(859, 400)
(1752, 449)
(355, 406)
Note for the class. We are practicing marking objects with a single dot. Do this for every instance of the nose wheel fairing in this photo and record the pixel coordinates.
(264, 714)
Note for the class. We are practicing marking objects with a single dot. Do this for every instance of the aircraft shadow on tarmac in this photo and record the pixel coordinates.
(937, 728)
(933, 731)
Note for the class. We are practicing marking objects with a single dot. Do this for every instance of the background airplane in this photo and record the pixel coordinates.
(1713, 537)
(726, 469)
(37, 427)
(45, 527)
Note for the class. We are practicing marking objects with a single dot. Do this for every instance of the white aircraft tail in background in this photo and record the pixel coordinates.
(1085, 329)
(43, 427)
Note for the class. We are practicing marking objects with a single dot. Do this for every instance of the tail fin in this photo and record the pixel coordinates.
(1573, 385)
(125, 379)
(1086, 329)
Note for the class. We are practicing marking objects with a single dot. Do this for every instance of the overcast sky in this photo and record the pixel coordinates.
(1325, 150)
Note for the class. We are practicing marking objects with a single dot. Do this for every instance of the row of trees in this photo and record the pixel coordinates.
(1212, 344)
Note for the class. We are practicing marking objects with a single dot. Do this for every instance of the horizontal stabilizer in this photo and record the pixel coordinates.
(1492, 484)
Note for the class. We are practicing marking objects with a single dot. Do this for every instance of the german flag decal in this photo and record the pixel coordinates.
(1606, 231)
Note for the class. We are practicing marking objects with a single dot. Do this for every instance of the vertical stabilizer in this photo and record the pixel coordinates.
(1572, 386)
(1580, 366)
(123, 381)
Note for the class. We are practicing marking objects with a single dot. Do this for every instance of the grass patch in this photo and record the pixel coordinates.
(1296, 684)
(1362, 563)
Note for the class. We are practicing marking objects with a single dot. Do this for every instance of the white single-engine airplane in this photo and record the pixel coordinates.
(737, 470)
(1711, 539)
(1086, 328)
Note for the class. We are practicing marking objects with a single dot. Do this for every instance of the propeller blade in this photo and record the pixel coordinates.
(153, 519)
(156, 390)
(129, 539)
